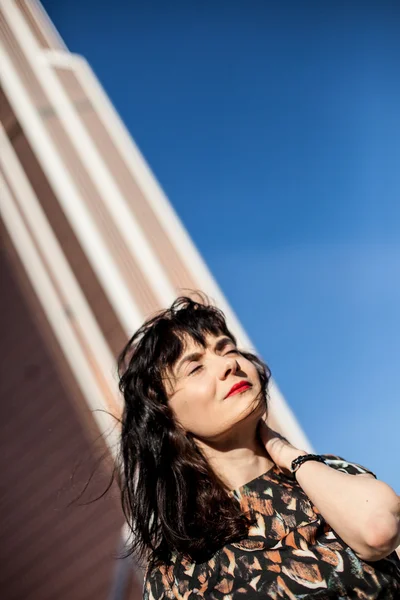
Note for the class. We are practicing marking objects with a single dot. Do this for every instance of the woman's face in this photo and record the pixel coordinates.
(201, 390)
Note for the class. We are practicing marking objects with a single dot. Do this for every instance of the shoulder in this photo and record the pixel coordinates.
(158, 582)
(180, 577)
(346, 466)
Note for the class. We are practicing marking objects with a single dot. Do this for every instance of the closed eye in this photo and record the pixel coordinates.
(199, 367)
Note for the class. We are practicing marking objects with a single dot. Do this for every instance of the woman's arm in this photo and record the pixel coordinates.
(363, 511)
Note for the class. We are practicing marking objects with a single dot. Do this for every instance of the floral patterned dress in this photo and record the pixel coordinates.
(291, 553)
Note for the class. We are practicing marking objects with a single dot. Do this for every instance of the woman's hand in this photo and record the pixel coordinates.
(279, 449)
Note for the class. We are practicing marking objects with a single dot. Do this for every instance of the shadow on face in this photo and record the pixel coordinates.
(215, 392)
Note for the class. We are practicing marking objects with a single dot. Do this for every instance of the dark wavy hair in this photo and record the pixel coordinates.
(172, 499)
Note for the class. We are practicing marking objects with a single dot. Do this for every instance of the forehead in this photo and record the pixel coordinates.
(190, 344)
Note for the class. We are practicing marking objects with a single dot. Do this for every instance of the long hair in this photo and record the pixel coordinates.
(172, 499)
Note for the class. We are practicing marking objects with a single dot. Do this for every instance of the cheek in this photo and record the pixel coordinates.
(193, 403)
(252, 372)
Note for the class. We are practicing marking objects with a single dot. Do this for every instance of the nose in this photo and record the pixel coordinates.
(229, 367)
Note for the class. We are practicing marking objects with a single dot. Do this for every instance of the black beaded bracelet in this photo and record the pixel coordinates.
(297, 462)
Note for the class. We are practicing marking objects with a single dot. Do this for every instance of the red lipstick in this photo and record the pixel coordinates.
(238, 387)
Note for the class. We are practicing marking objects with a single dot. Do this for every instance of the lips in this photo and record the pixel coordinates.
(241, 386)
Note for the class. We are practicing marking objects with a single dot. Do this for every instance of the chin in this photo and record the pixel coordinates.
(254, 410)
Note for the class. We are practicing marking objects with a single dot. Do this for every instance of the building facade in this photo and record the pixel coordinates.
(91, 248)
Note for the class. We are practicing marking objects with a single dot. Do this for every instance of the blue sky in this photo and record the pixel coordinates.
(274, 129)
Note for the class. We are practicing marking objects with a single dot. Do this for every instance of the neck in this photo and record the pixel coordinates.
(238, 459)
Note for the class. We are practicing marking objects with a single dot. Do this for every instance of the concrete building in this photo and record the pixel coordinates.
(91, 246)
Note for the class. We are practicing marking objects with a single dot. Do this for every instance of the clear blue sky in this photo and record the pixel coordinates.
(274, 128)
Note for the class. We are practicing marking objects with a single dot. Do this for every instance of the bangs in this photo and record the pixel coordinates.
(154, 349)
(172, 334)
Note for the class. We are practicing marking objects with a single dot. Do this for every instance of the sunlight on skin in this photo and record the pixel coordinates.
(223, 424)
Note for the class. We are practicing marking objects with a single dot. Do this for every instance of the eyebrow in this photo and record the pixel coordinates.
(219, 346)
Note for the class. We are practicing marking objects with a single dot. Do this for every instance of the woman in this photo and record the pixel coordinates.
(208, 488)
